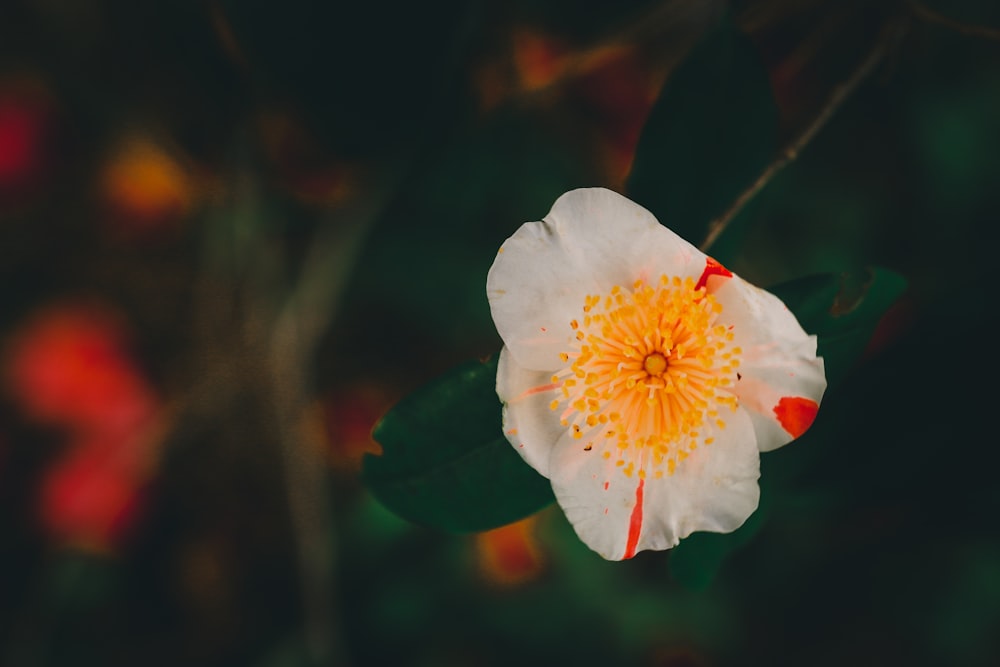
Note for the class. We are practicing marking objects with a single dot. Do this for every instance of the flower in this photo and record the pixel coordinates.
(640, 376)
(510, 555)
(146, 189)
(69, 366)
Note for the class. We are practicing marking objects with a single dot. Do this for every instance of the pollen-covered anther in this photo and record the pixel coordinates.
(651, 360)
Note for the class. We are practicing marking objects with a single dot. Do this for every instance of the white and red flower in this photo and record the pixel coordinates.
(641, 376)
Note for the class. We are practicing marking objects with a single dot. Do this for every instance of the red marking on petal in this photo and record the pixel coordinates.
(796, 414)
(712, 268)
(539, 390)
(635, 522)
(606, 485)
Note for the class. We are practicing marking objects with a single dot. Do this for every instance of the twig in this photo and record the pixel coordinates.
(257, 333)
(930, 16)
(307, 311)
(888, 38)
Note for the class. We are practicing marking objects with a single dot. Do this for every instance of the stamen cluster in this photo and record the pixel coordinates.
(648, 374)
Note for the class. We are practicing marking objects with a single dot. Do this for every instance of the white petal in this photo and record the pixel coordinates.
(714, 489)
(528, 422)
(782, 380)
(591, 240)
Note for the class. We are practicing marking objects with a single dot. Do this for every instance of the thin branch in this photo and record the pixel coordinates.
(972, 30)
(307, 311)
(886, 40)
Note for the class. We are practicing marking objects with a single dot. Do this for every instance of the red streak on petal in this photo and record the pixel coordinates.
(635, 522)
(606, 484)
(539, 390)
(712, 268)
(796, 414)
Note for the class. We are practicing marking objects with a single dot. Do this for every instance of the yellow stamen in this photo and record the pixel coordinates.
(651, 360)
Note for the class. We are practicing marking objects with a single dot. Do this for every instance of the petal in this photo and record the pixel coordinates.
(781, 380)
(528, 422)
(591, 240)
(714, 489)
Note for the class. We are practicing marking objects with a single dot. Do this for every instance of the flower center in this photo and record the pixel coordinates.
(647, 374)
(654, 363)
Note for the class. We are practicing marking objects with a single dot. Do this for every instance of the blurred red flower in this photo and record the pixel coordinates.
(88, 498)
(69, 367)
(350, 415)
(24, 128)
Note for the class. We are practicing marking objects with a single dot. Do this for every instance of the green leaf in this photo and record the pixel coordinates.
(842, 311)
(711, 133)
(445, 461)
(697, 559)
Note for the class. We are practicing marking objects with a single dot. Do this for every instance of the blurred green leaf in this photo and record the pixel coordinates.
(79, 582)
(697, 559)
(445, 462)
(710, 134)
(842, 311)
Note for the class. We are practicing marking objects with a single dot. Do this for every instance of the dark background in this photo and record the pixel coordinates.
(232, 234)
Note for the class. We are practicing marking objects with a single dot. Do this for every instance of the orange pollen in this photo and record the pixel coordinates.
(648, 373)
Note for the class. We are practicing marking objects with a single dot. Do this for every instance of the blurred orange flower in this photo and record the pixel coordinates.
(510, 555)
(146, 187)
(538, 58)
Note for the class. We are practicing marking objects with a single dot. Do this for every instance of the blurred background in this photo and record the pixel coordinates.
(233, 233)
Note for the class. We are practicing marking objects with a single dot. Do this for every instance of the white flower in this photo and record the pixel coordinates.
(641, 376)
